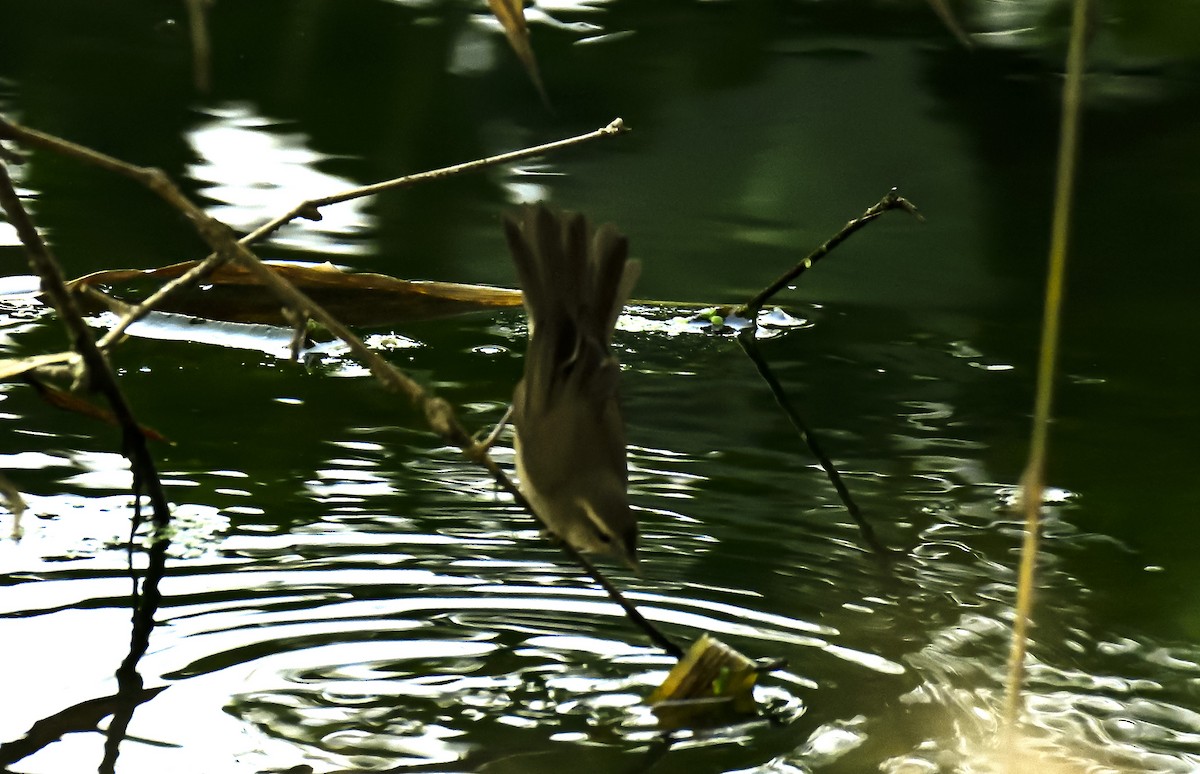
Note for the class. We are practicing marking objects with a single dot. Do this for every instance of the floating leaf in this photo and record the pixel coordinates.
(511, 15)
(233, 294)
(713, 684)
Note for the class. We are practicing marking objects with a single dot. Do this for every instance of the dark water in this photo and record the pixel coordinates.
(343, 592)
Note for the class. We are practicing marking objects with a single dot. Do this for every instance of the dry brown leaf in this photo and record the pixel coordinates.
(233, 294)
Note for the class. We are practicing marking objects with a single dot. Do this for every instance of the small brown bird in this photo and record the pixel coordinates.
(570, 438)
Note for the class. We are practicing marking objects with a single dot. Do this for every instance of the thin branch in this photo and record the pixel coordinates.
(750, 346)
(891, 201)
(192, 276)
(133, 445)
(947, 16)
(478, 453)
(197, 11)
(437, 411)
(311, 209)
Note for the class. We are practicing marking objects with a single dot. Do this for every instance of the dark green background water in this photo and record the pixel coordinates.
(346, 594)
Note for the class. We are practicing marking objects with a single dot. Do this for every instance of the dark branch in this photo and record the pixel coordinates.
(891, 201)
(99, 373)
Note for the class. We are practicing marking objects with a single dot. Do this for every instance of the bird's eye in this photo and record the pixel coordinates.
(600, 530)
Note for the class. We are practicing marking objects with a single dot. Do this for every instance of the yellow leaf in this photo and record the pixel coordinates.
(712, 684)
(233, 294)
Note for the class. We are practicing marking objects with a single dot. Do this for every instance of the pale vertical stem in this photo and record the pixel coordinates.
(1033, 479)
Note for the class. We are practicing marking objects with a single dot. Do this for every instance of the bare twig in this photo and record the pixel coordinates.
(438, 413)
(201, 46)
(511, 15)
(11, 498)
(191, 277)
(133, 445)
(891, 201)
(478, 453)
(746, 338)
(947, 16)
(311, 209)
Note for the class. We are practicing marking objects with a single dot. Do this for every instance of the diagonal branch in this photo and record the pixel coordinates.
(749, 345)
(100, 376)
(99, 373)
(309, 208)
(891, 201)
(746, 338)
(438, 413)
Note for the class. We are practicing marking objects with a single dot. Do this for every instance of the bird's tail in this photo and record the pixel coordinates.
(576, 282)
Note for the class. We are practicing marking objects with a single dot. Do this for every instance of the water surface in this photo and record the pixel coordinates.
(343, 592)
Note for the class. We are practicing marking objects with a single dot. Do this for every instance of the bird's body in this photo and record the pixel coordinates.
(570, 437)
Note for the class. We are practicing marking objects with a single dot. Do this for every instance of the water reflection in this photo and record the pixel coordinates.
(411, 616)
(1071, 714)
(255, 172)
(130, 691)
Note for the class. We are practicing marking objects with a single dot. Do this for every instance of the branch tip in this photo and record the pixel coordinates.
(892, 200)
(617, 126)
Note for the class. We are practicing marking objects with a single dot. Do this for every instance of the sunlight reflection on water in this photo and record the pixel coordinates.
(419, 609)
(256, 172)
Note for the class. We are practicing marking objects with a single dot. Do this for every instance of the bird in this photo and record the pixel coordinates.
(569, 435)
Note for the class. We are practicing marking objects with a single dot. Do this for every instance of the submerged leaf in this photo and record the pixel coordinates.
(511, 15)
(711, 685)
(233, 294)
(68, 401)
